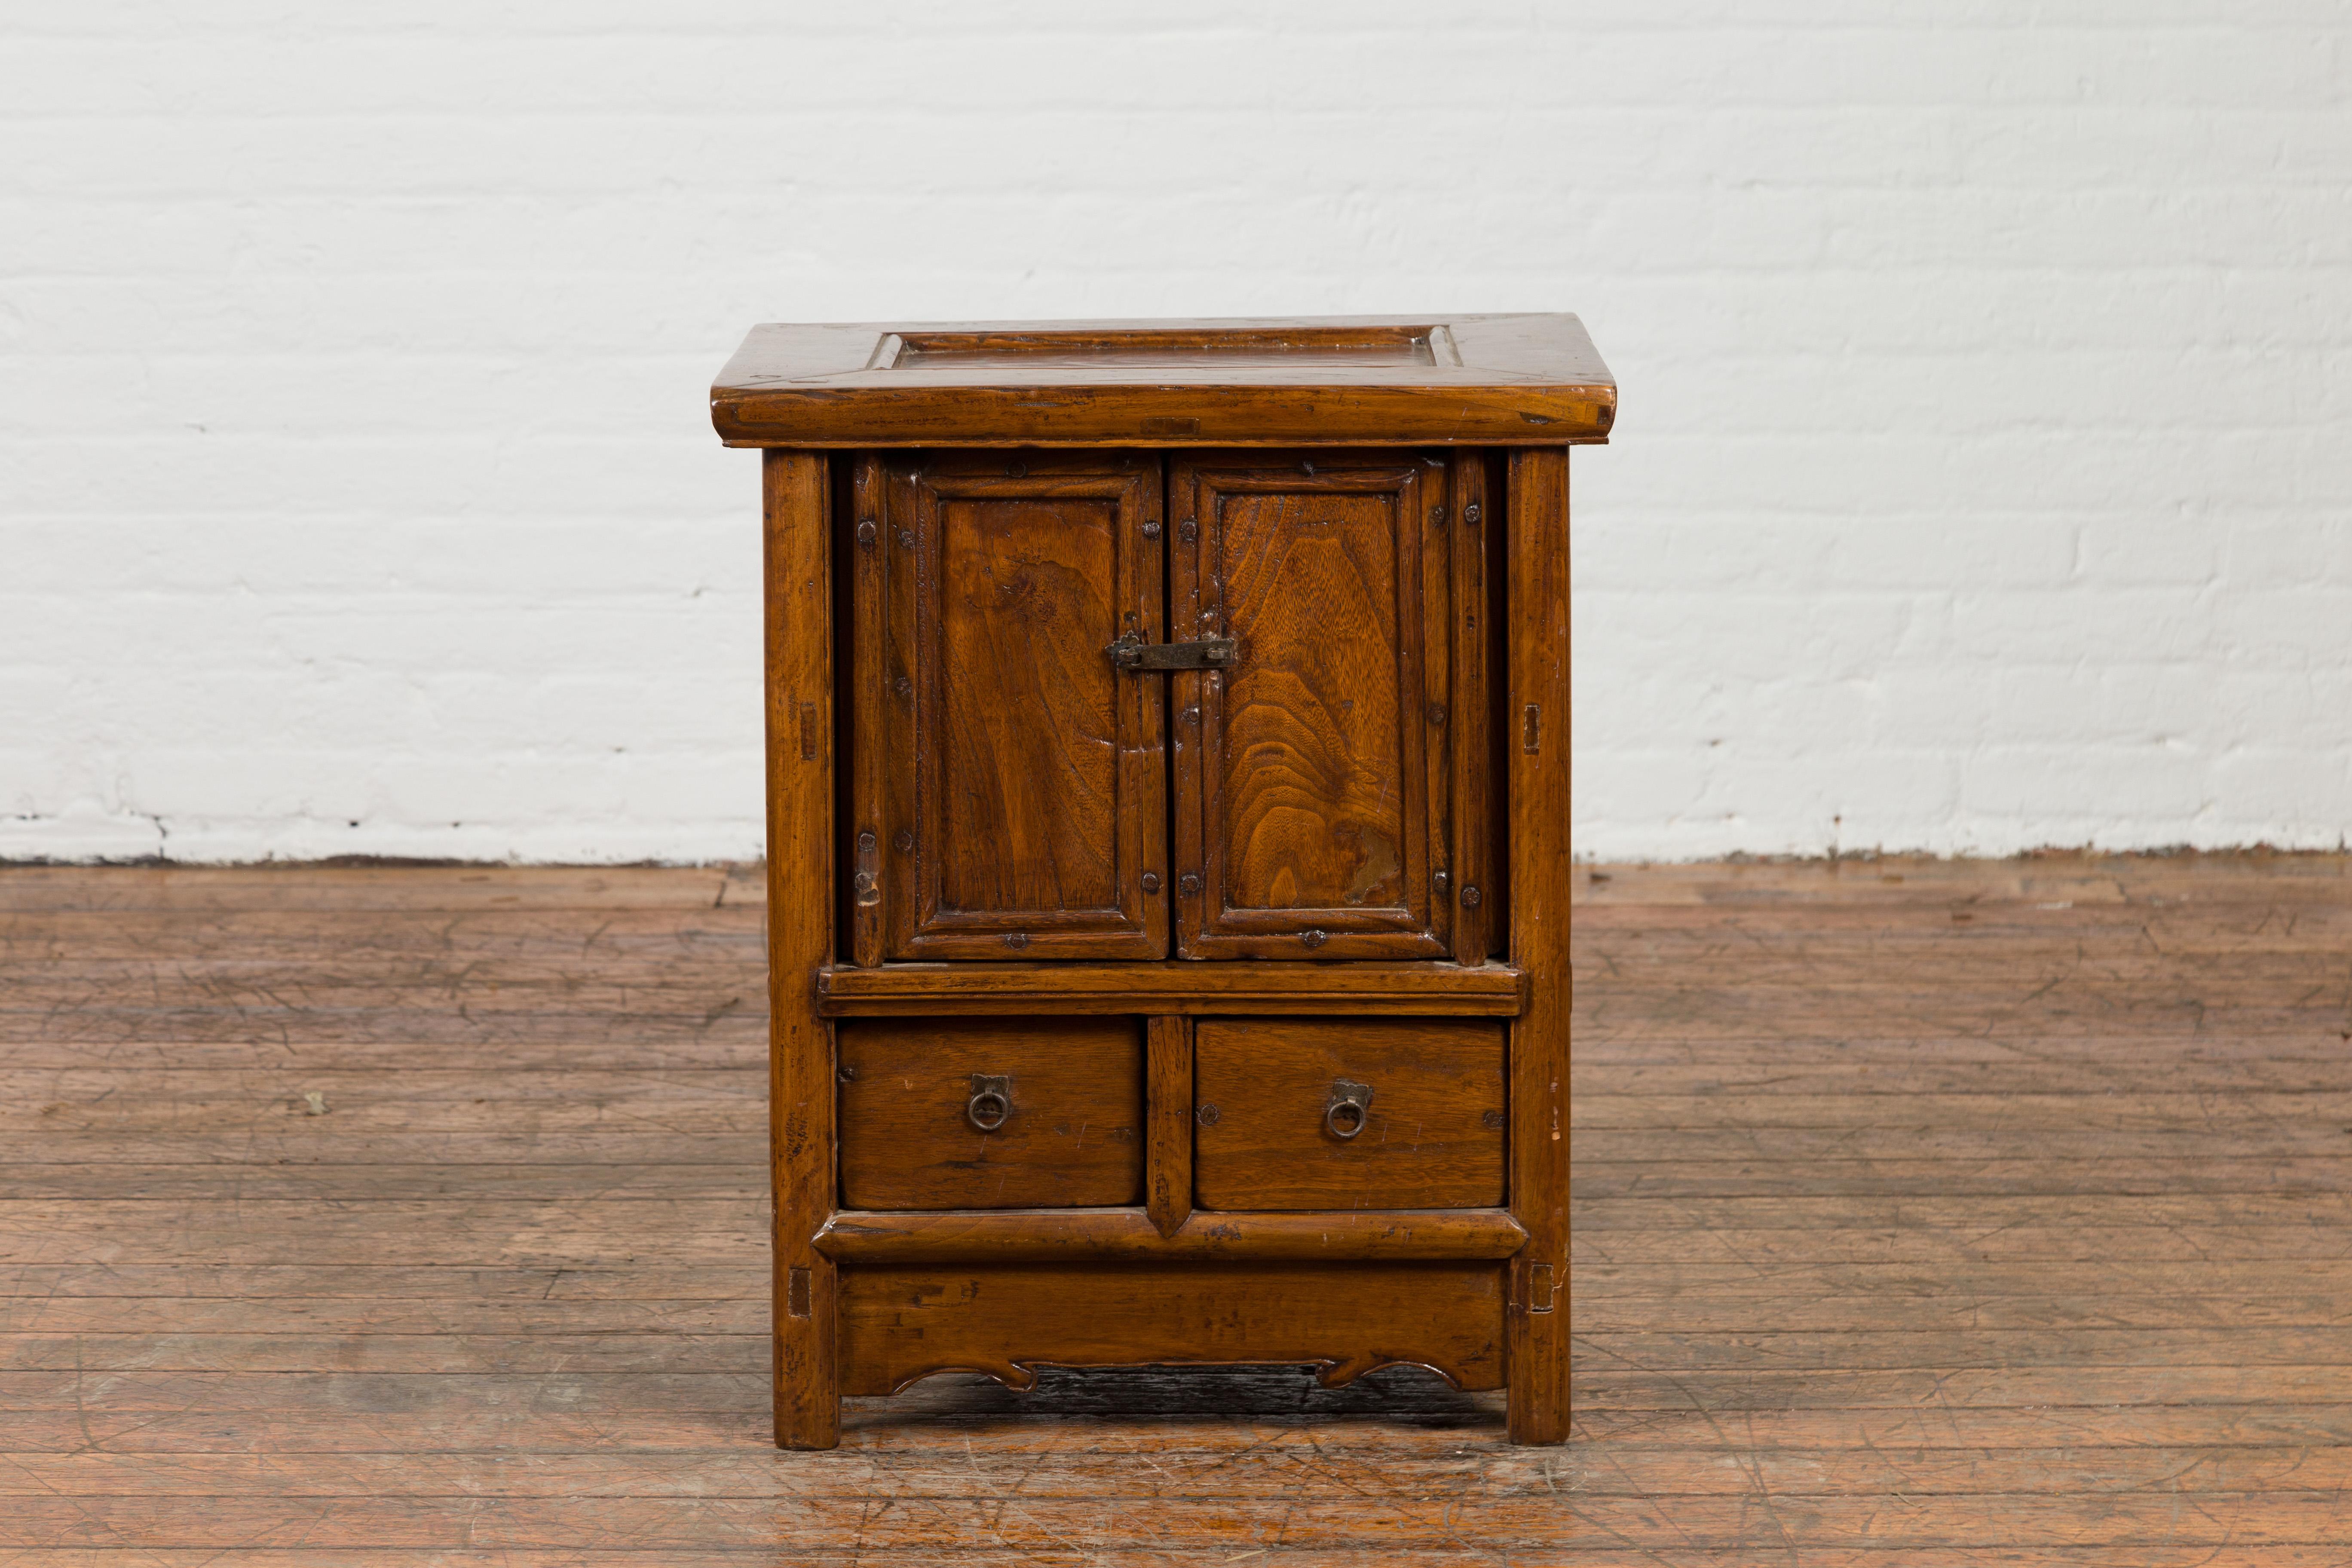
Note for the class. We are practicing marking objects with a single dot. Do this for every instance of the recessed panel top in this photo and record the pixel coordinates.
(1529, 379)
(1122, 354)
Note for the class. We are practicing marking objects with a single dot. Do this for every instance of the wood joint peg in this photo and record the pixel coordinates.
(1540, 1288)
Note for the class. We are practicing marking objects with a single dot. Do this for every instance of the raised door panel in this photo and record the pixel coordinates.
(1011, 795)
(1311, 772)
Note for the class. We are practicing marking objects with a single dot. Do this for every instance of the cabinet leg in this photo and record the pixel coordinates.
(1536, 1353)
(1536, 1325)
(801, 1084)
(808, 1379)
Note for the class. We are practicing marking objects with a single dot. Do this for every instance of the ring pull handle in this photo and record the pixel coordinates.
(1349, 1107)
(990, 1102)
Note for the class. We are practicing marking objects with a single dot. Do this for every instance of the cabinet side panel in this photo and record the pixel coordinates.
(1540, 867)
(799, 637)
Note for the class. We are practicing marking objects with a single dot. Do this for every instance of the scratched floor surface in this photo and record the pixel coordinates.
(1926, 1217)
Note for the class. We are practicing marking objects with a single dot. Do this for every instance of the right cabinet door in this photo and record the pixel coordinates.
(1316, 773)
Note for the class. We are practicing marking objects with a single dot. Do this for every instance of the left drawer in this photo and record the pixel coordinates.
(991, 1113)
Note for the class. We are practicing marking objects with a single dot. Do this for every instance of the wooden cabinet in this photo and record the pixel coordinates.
(1167, 855)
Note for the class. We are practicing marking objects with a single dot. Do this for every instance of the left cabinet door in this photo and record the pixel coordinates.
(1008, 790)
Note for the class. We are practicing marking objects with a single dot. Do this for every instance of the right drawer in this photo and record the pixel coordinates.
(1348, 1113)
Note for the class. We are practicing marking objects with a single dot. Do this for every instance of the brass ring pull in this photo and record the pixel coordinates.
(1349, 1107)
(990, 1102)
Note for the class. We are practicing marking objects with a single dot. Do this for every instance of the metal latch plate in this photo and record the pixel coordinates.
(1130, 653)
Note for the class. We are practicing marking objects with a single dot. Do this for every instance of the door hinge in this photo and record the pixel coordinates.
(1133, 654)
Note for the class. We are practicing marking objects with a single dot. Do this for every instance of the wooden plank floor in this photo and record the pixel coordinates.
(1926, 1216)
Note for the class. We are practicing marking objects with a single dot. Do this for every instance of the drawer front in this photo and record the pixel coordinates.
(989, 1113)
(1311, 1113)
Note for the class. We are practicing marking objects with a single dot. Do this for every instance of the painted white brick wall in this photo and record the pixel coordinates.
(1984, 478)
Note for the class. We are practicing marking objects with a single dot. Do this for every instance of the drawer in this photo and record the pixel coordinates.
(989, 1113)
(1311, 1113)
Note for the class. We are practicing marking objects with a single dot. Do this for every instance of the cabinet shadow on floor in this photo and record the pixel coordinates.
(1407, 1395)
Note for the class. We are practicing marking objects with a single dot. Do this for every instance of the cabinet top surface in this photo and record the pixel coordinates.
(1518, 380)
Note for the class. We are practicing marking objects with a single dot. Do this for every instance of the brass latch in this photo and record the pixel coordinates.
(1132, 652)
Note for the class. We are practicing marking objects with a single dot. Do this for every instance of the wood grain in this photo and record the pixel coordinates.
(1016, 808)
(1475, 380)
(1122, 1233)
(1074, 1134)
(1305, 820)
(1432, 1137)
(1168, 1113)
(1897, 1250)
(1453, 1548)
(873, 716)
(797, 534)
(1540, 854)
(1462, 637)
(1176, 988)
(902, 1323)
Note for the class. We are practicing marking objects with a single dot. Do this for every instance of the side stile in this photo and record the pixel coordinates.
(1536, 1341)
(1188, 773)
(879, 865)
(1467, 520)
(1438, 717)
(891, 691)
(1167, 1115)
(798, 600)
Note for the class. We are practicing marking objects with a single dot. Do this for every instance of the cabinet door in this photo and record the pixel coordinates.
(1312, 770)
(1010, 795)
